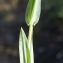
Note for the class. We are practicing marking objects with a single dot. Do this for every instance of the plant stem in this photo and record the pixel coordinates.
(30, 33)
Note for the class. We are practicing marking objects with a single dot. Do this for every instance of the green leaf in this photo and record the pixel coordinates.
(25, 50)
(33, 12)
(22, 47)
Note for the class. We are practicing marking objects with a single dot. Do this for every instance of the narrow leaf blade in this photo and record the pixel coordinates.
(22, 47)
(25, 50)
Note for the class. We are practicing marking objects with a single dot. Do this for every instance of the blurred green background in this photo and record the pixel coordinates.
(48, 33)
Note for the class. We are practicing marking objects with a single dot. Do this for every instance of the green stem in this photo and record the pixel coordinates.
(30, 32)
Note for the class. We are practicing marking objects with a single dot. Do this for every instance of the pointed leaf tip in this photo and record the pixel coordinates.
(25, 52)
(22, 46)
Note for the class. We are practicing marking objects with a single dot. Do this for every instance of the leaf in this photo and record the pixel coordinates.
(25, 52)
(22, 47)
(33, 12)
